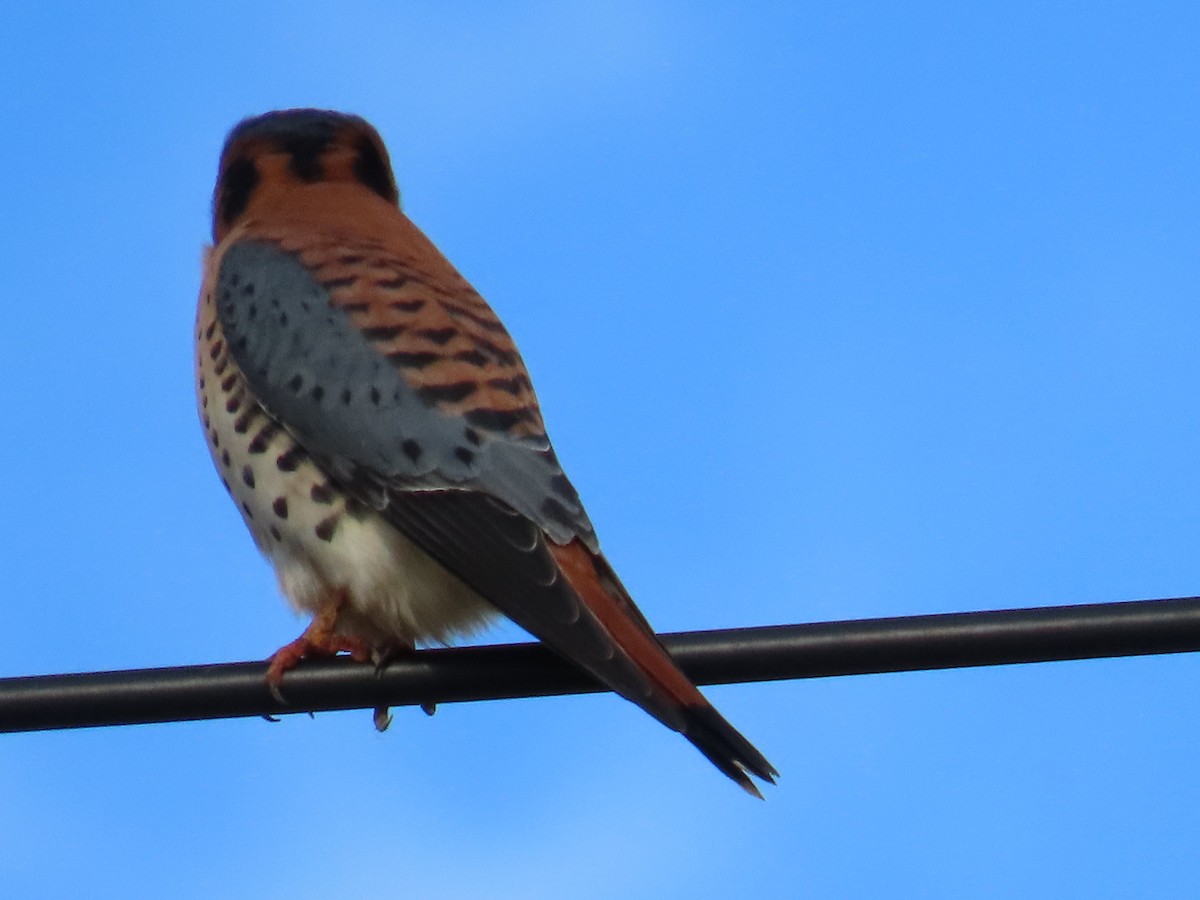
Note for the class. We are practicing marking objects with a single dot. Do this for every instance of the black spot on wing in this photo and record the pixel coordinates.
(413, 360)
(515, 385)
(472, 357)
(382, 332)
(405, 306)
(498, 419)
(439, 336)
(447, 393)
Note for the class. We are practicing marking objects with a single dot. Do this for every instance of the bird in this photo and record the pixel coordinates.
(376, 427)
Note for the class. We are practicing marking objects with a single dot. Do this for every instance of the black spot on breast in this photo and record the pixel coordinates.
(280, 507)
(464, 455)
(322, 493)
(318, 393)
(248, 476)
(372, 170)
(238, 185)
(376, 396)
(263, 438)
(242, 423)
(347, 396)
(447, 393)
(326, 527)
(275, 533)
(411, 449)
(473, 436)
(226, 461)
(289, 460)
(295, 383)
(246, 510)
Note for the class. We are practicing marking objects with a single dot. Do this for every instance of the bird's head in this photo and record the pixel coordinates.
(290, 147)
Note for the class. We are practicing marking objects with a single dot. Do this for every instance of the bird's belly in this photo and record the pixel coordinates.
(319, 539)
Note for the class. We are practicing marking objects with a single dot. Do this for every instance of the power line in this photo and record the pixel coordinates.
(767, 653)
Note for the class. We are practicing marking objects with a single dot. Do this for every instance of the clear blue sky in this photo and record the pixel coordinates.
(835, 310)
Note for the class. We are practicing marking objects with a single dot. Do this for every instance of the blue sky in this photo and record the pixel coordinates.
(835, 310)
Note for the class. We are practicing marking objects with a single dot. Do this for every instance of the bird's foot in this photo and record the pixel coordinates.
(318, 640)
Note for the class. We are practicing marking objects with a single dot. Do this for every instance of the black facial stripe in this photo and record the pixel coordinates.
(371, 169)
(237, 187)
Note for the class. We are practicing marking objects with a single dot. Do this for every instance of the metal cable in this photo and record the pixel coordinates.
(528, 670)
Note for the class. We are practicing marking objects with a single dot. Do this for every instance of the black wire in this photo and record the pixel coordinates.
(529, 670)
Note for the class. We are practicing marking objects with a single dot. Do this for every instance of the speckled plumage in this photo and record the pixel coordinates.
(376, 426)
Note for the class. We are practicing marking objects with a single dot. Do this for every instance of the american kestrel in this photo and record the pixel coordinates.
(375, 424)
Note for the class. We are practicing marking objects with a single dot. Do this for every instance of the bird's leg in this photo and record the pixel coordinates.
(318, 639)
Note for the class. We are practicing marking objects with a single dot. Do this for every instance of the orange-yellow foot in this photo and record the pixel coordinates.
(316, 641)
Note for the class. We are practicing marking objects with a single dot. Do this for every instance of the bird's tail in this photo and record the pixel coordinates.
(668, 694)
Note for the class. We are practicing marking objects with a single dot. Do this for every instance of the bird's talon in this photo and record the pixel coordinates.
(383, 718)
(428, 708)
(276, 693)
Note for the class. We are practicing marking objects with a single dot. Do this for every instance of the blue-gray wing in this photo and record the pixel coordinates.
(391, 392)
